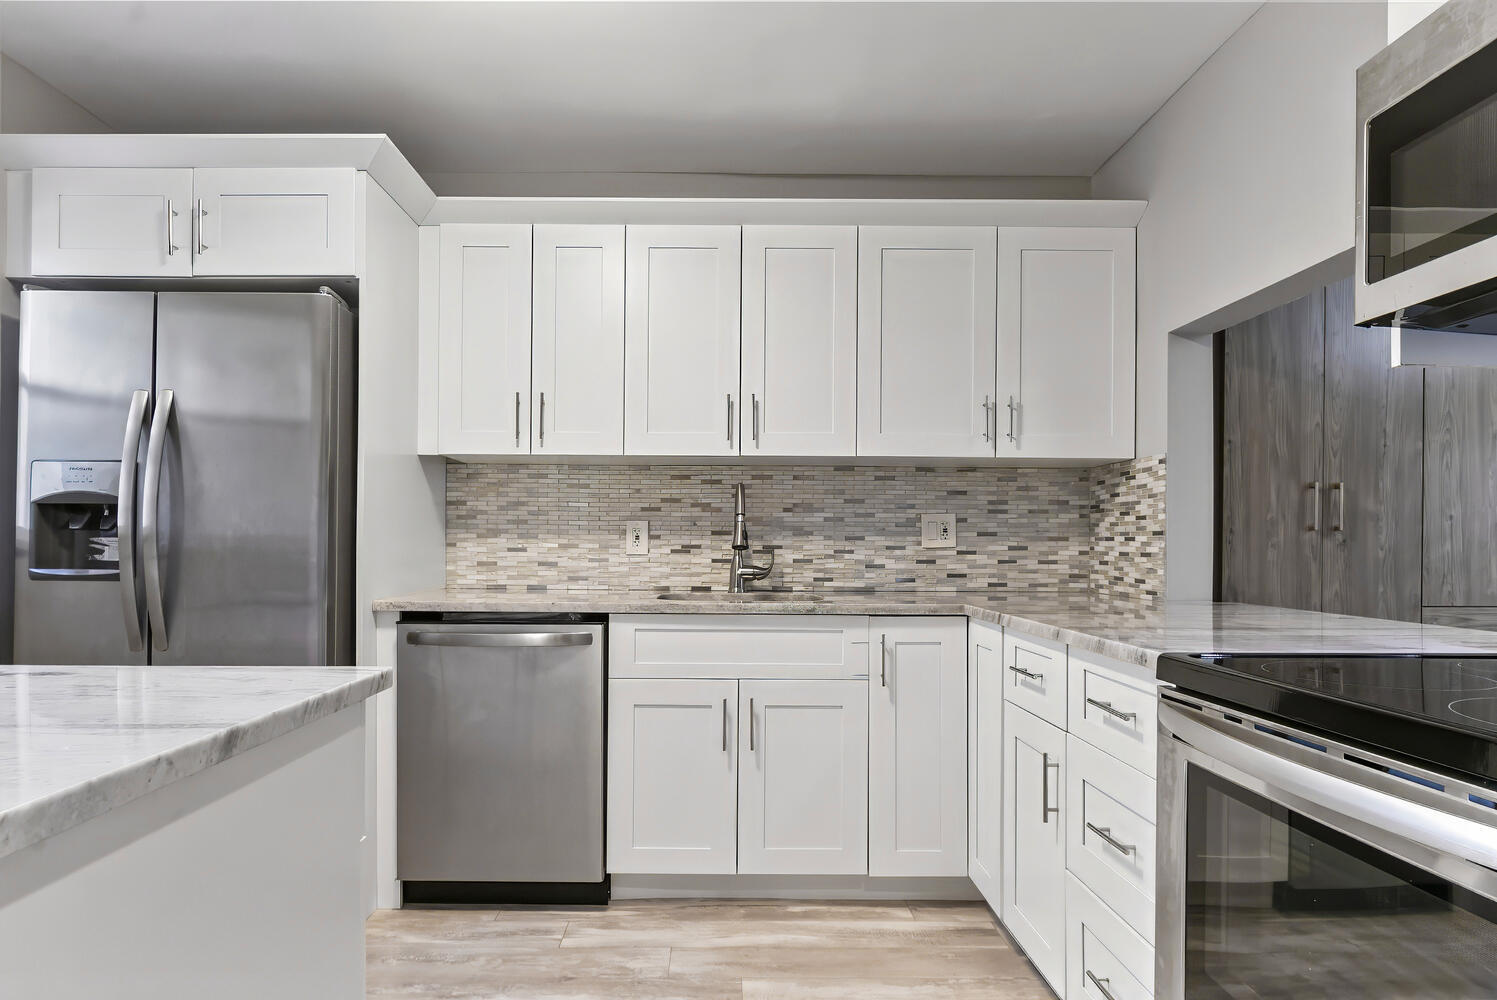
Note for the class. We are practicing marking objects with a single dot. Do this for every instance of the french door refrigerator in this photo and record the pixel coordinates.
(184, 478)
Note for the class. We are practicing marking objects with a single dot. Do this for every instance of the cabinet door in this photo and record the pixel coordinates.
(1460, 491)
(1065, 343)
(800, 340)
(577, 341)
(1374, 464)
(803, 784)
(681, 340)
(1034, 840)
(917, 748)
(926, 341)
(483, 333)
(985, 761)
(1272, 436)
(672, 778)
(111, 222)
(272, 221)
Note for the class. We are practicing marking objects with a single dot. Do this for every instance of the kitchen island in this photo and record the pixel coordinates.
(176, 832)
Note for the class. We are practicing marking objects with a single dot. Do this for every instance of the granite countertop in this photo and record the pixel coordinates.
(78, 741)
(1133, 631)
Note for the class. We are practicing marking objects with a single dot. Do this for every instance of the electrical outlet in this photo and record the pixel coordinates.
(937, 531)
(636, 537)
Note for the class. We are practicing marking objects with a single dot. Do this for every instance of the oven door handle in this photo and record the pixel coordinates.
(1465, 839)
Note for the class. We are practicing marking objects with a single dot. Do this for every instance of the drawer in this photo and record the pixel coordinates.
(1104, 958)
(738, 646)
(1114, 706)
(1034, 676)
(1106, 798)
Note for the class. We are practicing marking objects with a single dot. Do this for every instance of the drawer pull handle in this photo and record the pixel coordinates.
(1027, 673)
(1105, 832)
(1106, 706)
(1101, 984)
(1045, 807)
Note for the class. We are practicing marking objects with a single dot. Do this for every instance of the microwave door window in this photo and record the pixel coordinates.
(1280, 906)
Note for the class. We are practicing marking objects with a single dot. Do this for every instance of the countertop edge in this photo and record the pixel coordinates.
(49, 815)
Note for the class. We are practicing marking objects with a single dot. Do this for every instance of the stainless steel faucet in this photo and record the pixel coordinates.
(740, 571)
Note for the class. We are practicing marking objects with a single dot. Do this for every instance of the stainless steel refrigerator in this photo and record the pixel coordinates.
(184, 485)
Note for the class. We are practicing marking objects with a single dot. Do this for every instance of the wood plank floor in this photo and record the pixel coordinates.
(699, 950)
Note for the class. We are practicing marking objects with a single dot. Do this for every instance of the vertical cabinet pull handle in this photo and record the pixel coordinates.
(1314, 489)
(1012, 406)
(730, 418)
(725, 725)
(754, 397)
(1340, 490)
(540, 424)
(171, 242)
(517, 420)
(1046, 808)
(883, 661)
(201, 215)
(987, 418)
(751, 724)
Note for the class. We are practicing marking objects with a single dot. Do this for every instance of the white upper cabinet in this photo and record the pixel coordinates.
(273, 221)
(577, 343)
(1065, 343)
(926, 341)
(803, 777)
(800, 340)
(483, 333)
(917, 747)
(107, 221)
(681, 324)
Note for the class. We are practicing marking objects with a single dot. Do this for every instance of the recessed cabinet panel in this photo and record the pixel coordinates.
(681, 340)
(273, 221)
(985, 761)
(803, 781)
(800, 340)
(484, 340)
(111, 222)
(926, 341)
(672, 776)
(577, 401)
(1065, 343)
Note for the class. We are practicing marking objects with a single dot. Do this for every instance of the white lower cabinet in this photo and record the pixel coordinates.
(803, 777)
(917, 747)
(1105, 959)
(672, 776)
(985, 761)
(1034, 840)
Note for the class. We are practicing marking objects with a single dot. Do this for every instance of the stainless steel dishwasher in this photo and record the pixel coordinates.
(499, 758)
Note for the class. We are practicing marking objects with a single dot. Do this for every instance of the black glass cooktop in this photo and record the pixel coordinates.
(1440, 711)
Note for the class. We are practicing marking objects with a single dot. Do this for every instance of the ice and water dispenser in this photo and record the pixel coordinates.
(74, 520)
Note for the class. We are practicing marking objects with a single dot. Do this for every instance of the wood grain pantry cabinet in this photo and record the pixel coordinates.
(1460, 494)
(681, 327)
(130, 222)
(483, 340)
(926, 340)
(917, 747)
(1065, 343)
(1322, 455)
(800, 340)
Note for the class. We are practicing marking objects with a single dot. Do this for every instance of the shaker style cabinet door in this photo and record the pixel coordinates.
(577, 342)
(800, 340)
(1065, 343)
(681, 340)
(103, 221)
(803, 781)
(985, 761)
(672, 777)
(917, 747)
(273, 221)
(1034, 840)
(926, 341)
(483, 334)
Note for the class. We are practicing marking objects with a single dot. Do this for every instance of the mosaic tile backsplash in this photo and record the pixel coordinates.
(561, 527)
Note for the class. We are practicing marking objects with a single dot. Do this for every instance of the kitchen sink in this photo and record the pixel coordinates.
(750, 597)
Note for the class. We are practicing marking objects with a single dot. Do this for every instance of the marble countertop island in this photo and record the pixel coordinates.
(1136, 632)
(79, 741)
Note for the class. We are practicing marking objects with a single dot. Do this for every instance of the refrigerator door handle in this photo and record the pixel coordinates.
(140, 402)
(149, 517)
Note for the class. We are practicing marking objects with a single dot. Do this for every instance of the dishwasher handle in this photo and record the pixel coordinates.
(499, 638)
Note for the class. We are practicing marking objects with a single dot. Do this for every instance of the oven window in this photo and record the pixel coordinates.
(1432, 169)
(1280, 906)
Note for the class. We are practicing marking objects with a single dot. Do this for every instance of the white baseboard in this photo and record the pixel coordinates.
(791, 887)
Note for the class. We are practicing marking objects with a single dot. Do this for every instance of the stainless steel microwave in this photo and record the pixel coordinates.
(1426, 223)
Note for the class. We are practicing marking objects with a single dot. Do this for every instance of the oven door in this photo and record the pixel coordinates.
(1306, 869)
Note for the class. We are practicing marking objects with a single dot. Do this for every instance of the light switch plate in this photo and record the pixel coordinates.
(637, 538)
(937, 531)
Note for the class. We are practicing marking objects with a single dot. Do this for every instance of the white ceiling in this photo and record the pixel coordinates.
(977, 89)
